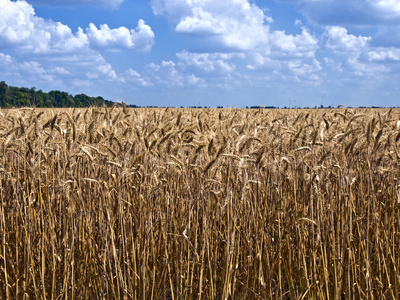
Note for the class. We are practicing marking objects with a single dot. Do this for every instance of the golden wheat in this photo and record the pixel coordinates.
(122, 203)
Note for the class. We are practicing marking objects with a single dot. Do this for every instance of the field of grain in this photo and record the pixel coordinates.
(119, 203)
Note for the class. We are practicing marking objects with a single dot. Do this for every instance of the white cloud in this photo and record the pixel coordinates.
(231, 24)
(101, 3)
(24, 72)
(142, 38)
(5, 59)
(7, 67)
(34, 68)
(369, 15)
(304, 69)
(201, 22)
(59, 70)
(107, 70)
(193, 80)
(334, 65)
(300, 69)
(208, 62)
(363, 69)
(344, 12)
(68, 73)
(304, 44)
(383, 55)
(388, 9)
(242, 31)
(135, 77)
(364, 63)
(93, 67)
(22, 29)
(104, 37)
(338, 39)
(170, 75)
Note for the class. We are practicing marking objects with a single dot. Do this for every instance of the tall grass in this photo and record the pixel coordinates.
(119, 203)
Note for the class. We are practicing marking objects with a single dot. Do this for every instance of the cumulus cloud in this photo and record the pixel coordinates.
(339, 39)
(101, 3)
(6, 66)
(92, 66)
(338, 12)
(22, 29)
(304, 44)
(59, 71)
(27, 71)
(344, 12)
(135, 77)
(34, 68)
(170, 75)
(107, 70)
(304, 69)
(380, 55)
(301, 69)
(388, 10)
(166, 73)
(5, 59)
(229, 34)
(238, 25)
(233, 25)
(383, 15)
(353, 55)
(209, 62)
(363, 69)
(68, 73)
(142, 38)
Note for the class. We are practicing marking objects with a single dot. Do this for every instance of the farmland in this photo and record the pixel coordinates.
(121, 203)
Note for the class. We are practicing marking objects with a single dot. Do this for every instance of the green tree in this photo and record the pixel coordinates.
(22, 99)
(82, 100)
(33, 96)
(11, 96)
(42, 99)
(3, 94)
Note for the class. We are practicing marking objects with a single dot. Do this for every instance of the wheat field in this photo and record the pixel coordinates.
(121, 203)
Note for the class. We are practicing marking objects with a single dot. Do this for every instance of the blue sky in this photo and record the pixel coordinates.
(206, 52)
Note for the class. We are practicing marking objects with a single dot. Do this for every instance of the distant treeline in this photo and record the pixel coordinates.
(11, 96)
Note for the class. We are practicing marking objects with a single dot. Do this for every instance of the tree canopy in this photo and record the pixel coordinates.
(11, 96)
